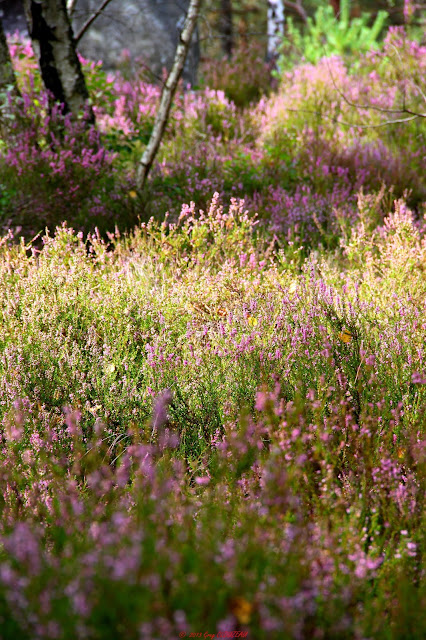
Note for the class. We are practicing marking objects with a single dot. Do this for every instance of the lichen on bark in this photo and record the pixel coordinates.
(51, 33)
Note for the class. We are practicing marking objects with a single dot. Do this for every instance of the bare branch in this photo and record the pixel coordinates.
(375, 107)
(90, 21)
(168, 93)
(297, 8)
(385, 123)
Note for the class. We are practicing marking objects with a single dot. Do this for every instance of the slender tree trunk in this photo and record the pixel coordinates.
(53, 41)
(7, 76)
(275, 27)
(226, 26)
(168, 93)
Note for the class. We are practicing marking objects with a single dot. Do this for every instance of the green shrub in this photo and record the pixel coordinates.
(327, 35)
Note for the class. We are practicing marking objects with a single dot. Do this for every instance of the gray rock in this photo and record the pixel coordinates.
(147, 29)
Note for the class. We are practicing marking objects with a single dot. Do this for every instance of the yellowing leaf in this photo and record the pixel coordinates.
(94, 410)
(345, 336)
(241, 609)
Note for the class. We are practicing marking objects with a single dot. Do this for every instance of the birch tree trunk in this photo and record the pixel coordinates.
(7, 76)
(275, 27)
(168, 93)
(53, 42)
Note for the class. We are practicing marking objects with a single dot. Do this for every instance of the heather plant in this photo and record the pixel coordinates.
(51, 168)
(330, 125)
(204, 430)
(244, 78)
(300, 157)
(215, 421)
(24, 62)
(211, 321)
(242, 534)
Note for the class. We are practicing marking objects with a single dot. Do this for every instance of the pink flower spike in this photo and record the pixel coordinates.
(202, 480)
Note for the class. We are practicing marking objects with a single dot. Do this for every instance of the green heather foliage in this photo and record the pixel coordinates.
(299, 157)
(326, 35)
(212, 419)
(201, 431)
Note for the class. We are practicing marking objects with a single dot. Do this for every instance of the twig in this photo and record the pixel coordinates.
(358, 126)
(297, 8)
(372, 106)
(90, 21)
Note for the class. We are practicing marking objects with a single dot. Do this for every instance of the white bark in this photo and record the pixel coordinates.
(71, 6)
(275, 27)
(168, 93)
